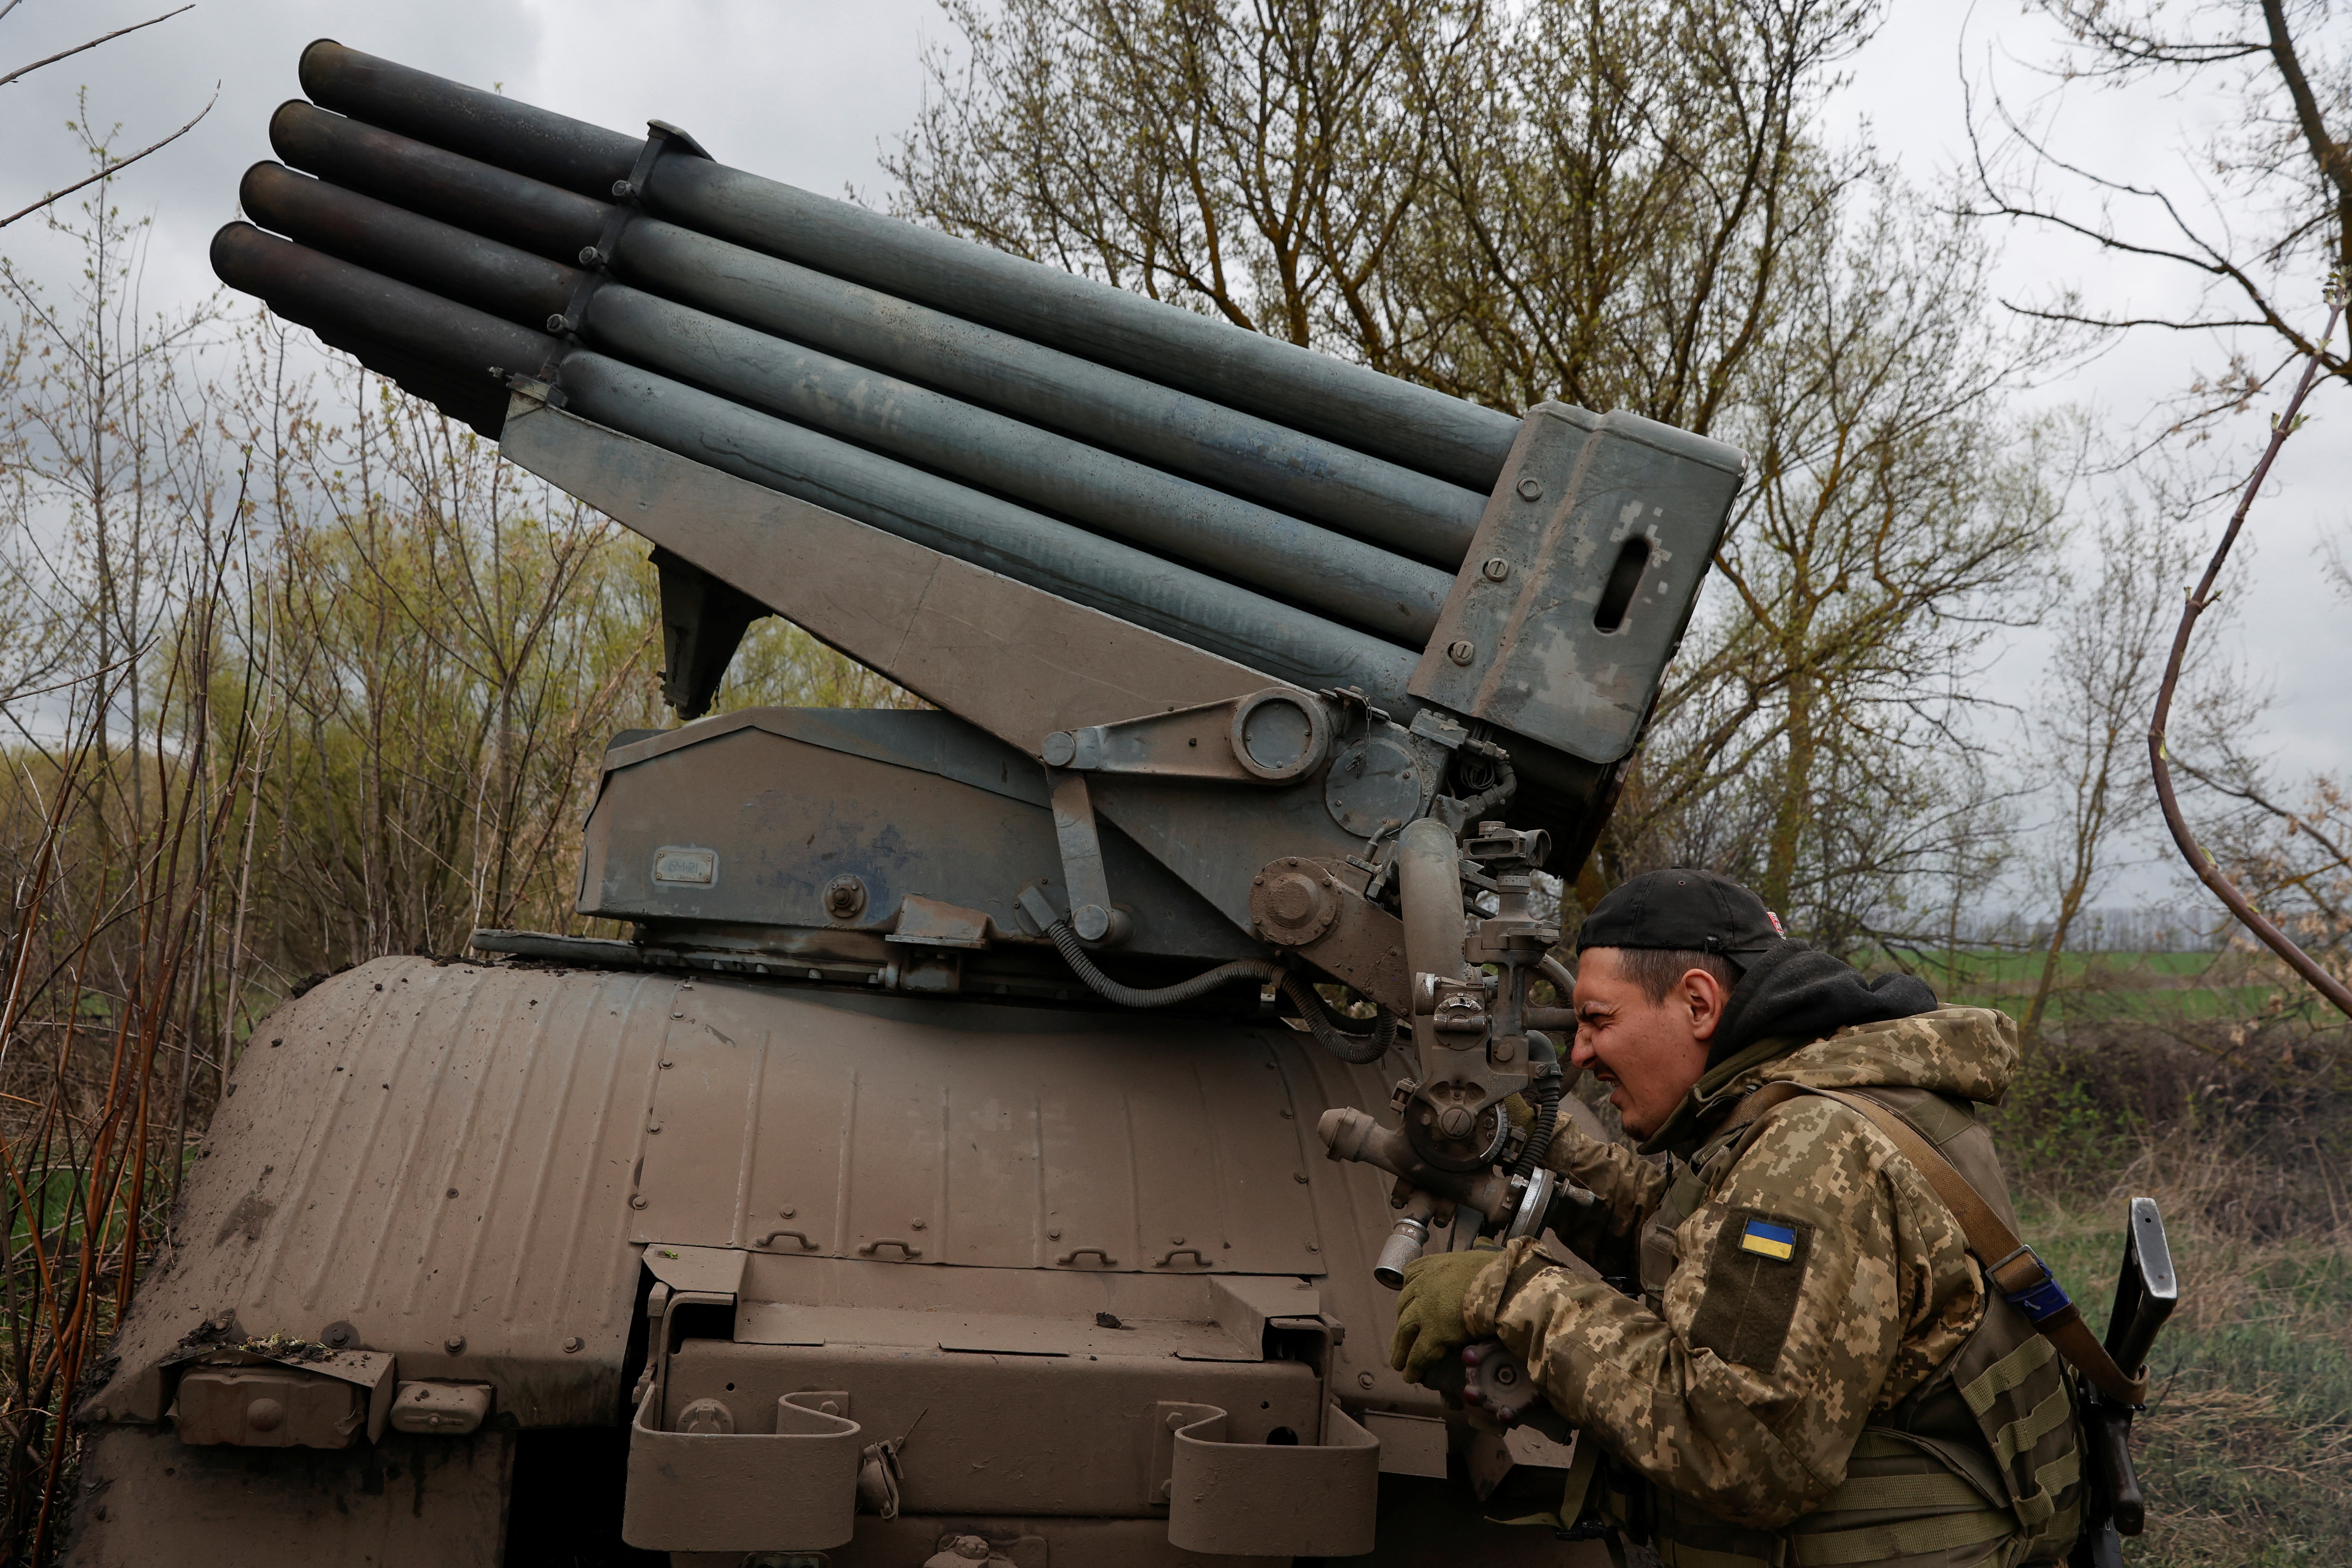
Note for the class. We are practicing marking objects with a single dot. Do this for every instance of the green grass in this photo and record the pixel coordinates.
(2245, 1451)
(2114, 987)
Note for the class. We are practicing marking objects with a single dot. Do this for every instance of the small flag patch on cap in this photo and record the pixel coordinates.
(1771, 1240)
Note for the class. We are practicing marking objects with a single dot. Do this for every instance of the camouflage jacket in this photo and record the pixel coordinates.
(1817, 1279)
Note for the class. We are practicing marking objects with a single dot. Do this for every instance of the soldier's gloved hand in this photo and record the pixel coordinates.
(1429, 1308)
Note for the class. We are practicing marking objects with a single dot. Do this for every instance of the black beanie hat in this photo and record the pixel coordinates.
(1685, 909)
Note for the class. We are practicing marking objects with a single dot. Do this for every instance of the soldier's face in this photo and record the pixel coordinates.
(1648, 1053)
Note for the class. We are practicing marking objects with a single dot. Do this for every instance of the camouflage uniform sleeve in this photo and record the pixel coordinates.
(1628, 1186)
(1808, 1274)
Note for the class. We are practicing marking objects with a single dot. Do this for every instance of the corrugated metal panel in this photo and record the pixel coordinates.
(451, 1153)
(933, 1131)
(429, 1153)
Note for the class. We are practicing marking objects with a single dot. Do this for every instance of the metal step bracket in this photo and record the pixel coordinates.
(1297, 1499)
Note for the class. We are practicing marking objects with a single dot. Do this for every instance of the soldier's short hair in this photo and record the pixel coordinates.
(1658, 969)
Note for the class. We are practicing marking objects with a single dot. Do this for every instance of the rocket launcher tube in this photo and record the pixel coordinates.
(1363, 496)
(1395, 599)
(1352, 582)
(1357, 494)
(1190, 605)
(1430, 431)
(464, 344)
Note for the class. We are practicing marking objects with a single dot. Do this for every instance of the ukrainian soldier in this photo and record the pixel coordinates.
(1806, 1365)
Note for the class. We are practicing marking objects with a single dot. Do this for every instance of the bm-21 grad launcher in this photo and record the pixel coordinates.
(934, 1175)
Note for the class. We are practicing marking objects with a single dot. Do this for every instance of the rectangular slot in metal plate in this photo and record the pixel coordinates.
(1597, 520)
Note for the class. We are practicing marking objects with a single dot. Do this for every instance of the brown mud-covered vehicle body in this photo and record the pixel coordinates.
(936, 1169)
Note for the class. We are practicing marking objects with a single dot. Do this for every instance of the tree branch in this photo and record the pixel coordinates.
(115, 168)
(69, 54)
(2284, 425)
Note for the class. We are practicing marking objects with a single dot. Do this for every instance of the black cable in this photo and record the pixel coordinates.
(1547, 1086)
(1348, 1047)
(1199, 985)
(1359, 1050)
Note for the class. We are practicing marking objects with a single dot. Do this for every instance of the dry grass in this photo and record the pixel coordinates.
(2245, 1452)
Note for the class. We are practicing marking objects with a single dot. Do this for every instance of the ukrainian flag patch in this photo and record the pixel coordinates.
(1761, 1236)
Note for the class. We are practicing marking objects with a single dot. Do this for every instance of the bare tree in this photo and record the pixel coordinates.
(1510, 202)
(1899, 517)
(2274, 217)
(1616, 194)
(2088, 726)
(2202, 862)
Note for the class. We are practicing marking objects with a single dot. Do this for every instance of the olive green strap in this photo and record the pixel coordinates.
(1928, 1490)
(2012, 1267)
(1904, 1538)
(1677, 1555)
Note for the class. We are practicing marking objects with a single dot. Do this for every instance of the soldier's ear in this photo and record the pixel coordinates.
(1705, 995)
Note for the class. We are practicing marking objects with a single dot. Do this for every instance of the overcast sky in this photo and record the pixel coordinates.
(811, 93)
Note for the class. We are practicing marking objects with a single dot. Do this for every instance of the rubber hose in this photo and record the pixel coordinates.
(1359, 1050)
(1199, 985)
(1546, 1086)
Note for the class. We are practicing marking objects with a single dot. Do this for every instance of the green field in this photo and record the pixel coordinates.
(2114, 987)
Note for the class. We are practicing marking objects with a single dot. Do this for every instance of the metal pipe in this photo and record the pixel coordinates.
(1363, 496)
(1355, 583)
(1361, 584)
(953, 518)
(489, 126)
(450, 261)
(1446, 436)
(309, 286)
(531, 214)
(1360, 495)
(1429, 897)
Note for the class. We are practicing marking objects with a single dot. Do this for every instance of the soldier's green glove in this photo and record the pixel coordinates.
(1429, 1308)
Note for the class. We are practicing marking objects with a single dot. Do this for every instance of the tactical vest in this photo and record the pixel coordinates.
(1980, 1465)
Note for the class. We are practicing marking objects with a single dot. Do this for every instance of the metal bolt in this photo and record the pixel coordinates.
(1363, 1380)
(915, 1224)
(843, 897)
(637, 1200)
(1454, 1122)
(1298, 1176)
(1313, 1246)
(788, 1211)
(1530, 489)
(572, 1345)
(1462, 650)
(653, 1127)
(556, 322)
(1052, 1236)
(1495, 569)
(590, 255)
(455, 1344)
(1175, 1241)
